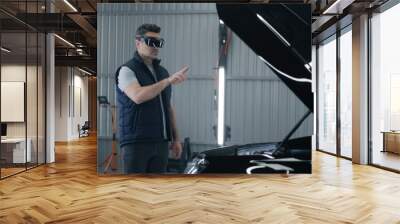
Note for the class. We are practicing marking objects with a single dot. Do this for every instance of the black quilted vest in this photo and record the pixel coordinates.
(143, 122)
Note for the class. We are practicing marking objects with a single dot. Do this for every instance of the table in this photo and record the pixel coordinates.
(391, 141)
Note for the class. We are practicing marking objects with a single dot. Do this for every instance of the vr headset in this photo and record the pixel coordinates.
(151, 41)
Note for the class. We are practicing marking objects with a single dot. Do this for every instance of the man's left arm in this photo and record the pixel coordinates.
(176, 146)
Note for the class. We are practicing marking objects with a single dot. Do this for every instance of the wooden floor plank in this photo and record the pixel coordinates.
(70, 191)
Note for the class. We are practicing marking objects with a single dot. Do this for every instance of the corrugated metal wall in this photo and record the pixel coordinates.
(259, 107)
(191, 34)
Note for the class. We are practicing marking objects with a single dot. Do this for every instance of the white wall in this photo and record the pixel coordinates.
(16, 73)
(12, 73)
(33, 126)
(70, 83)
(80, 83)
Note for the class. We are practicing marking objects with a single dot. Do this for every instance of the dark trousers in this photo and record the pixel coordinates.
(146, 157)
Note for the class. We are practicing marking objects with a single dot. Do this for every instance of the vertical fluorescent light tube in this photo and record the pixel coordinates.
(70, 5)
(221, 106)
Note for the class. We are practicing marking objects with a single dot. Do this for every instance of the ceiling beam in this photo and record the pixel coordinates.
(84, 24)
(81, 21)
(82, 61)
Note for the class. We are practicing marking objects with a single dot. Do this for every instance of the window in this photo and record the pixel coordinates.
(22, 66)
(346, 93)
(385, 88)
(327, 95)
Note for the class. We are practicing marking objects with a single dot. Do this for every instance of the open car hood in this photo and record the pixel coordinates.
(280, 34)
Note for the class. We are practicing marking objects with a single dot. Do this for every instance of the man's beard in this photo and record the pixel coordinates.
(153, 55)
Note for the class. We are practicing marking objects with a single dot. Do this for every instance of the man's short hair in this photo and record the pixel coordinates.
(143, 29)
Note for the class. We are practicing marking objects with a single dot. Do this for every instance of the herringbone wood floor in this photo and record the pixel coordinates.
(70, 191)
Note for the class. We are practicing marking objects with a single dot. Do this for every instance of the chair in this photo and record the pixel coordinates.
(84, 130)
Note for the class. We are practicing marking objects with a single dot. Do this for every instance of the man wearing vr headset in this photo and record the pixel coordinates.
(146, 117)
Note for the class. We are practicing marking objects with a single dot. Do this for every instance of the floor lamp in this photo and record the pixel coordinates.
(110, 161)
